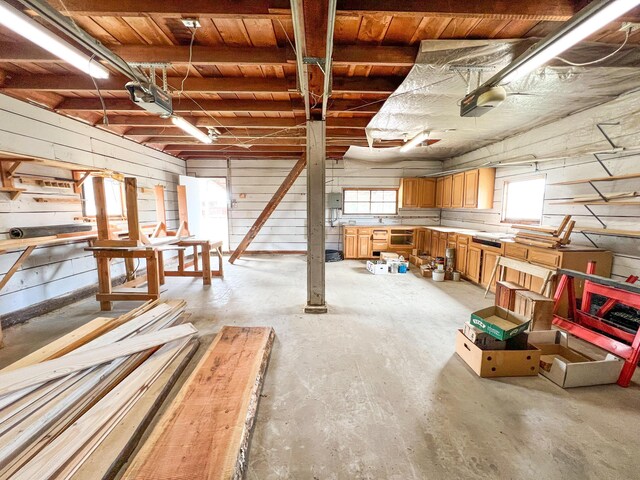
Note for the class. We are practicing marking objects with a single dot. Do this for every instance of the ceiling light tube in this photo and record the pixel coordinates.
(36, 33)
(191, 130)
(586, 22)
(415, 141)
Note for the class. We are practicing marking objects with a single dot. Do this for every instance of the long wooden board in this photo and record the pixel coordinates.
(60, 367)
(204, 434)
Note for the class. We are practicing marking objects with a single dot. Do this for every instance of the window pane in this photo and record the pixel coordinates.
(389, 208)
(390, 196)
(377, 195)
(349, 207)
(524, 200)
(377, 208)
(350, 195)
(362, 207)
(364, 195)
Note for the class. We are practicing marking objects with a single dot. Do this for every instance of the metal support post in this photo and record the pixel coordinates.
(316, 149)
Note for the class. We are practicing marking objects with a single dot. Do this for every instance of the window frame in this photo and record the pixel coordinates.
(505, 192)
(123, 215)
(369, 189)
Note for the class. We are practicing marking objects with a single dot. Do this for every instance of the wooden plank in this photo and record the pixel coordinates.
(114, 452)
(26, 377)
(102, 217)
(269, 208)
(206, 430)
(131, 198)
(161, 213)
(600, 179)
(183, 212)
(235, 122)
(85, 434)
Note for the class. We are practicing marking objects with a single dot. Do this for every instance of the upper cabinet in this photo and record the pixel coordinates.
(470, 189)
(427, 192)
(417, 193)
(457, 190)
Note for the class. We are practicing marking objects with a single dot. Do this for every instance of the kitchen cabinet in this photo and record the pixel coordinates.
(479, 186)
(410, 192)
(419, 237)
(433, 251)
(364, 243)
(350, 249)
(439, 187)
(427, 193)
(426, 244)
(457, 190)
(462, 250)
(447, 185)
(442, 243)
(489, 260)
(473, 264)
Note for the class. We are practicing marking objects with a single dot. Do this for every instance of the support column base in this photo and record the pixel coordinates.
(315, 309)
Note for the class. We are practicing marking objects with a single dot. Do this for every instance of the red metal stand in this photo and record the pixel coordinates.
(592, 328)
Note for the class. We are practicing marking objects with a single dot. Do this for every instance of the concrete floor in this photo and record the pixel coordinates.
(374, 390)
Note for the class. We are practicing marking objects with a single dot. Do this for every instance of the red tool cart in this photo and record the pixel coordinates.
(593, 328)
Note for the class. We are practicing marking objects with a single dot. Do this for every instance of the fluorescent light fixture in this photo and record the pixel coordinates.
(604, 13)
(191, 130)
(415, 141)
(36, 33)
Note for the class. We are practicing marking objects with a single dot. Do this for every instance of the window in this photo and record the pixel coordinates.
(114, 193)
(523, 201)
(370, 202)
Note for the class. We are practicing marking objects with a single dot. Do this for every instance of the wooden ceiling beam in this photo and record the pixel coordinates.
(297, 132)
(554, 10)
(178, 143)
(126, 105)
(82, 83)
(234, 122)
(343, 55)
(191, 149)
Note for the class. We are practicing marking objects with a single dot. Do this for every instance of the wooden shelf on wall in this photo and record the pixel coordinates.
(600, 179)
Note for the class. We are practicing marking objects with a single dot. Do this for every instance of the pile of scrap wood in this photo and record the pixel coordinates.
(59, 404)
(546, 237)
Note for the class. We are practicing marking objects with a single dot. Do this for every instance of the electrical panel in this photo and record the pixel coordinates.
(334, 200)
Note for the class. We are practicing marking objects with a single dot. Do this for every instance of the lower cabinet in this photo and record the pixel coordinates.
(364, 243)
(350, 249)
(489, 260)
(462, 251)
(473, 264)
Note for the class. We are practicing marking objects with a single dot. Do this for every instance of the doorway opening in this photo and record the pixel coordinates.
(208, 206)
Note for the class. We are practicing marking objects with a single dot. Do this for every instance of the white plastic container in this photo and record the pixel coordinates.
(438, 275)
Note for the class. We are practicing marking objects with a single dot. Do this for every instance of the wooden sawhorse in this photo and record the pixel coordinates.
(206, 247)
(104, 255)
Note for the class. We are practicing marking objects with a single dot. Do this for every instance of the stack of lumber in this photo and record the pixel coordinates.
(59, 404)
(546, 237)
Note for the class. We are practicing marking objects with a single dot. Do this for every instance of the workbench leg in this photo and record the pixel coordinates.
(153, 278)
(631, 363)
(196, 263)
(161, 266)
(181, 261)
(104, 281)
(220, 273)
(130, 269)
(206, 264)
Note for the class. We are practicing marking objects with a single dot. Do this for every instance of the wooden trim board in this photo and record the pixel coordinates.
(224, 389)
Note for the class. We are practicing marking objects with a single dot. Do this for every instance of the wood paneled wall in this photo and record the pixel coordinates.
(28, 130)
(253, 182)
(569, 140)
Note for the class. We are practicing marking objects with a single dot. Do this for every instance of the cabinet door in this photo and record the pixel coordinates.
(364, 244)
(350, 245)
(434, 244)
(442, 243)
(439, 185)
(411, 192)
(473, 264)
(489, 260)
(470, 189)
(427, 242)
(457, 190)
(462, 249)
(447, 185)
(427, 192)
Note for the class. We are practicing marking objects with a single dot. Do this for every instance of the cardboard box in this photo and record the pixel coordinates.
(482, 339)
(385, 256)
(569, 368)
(377, 268)
(517, 360)
(425, 271)
(418, 260)
(499, 322)
(536, 307)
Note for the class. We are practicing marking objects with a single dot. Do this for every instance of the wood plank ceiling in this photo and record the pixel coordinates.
(240, 75)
